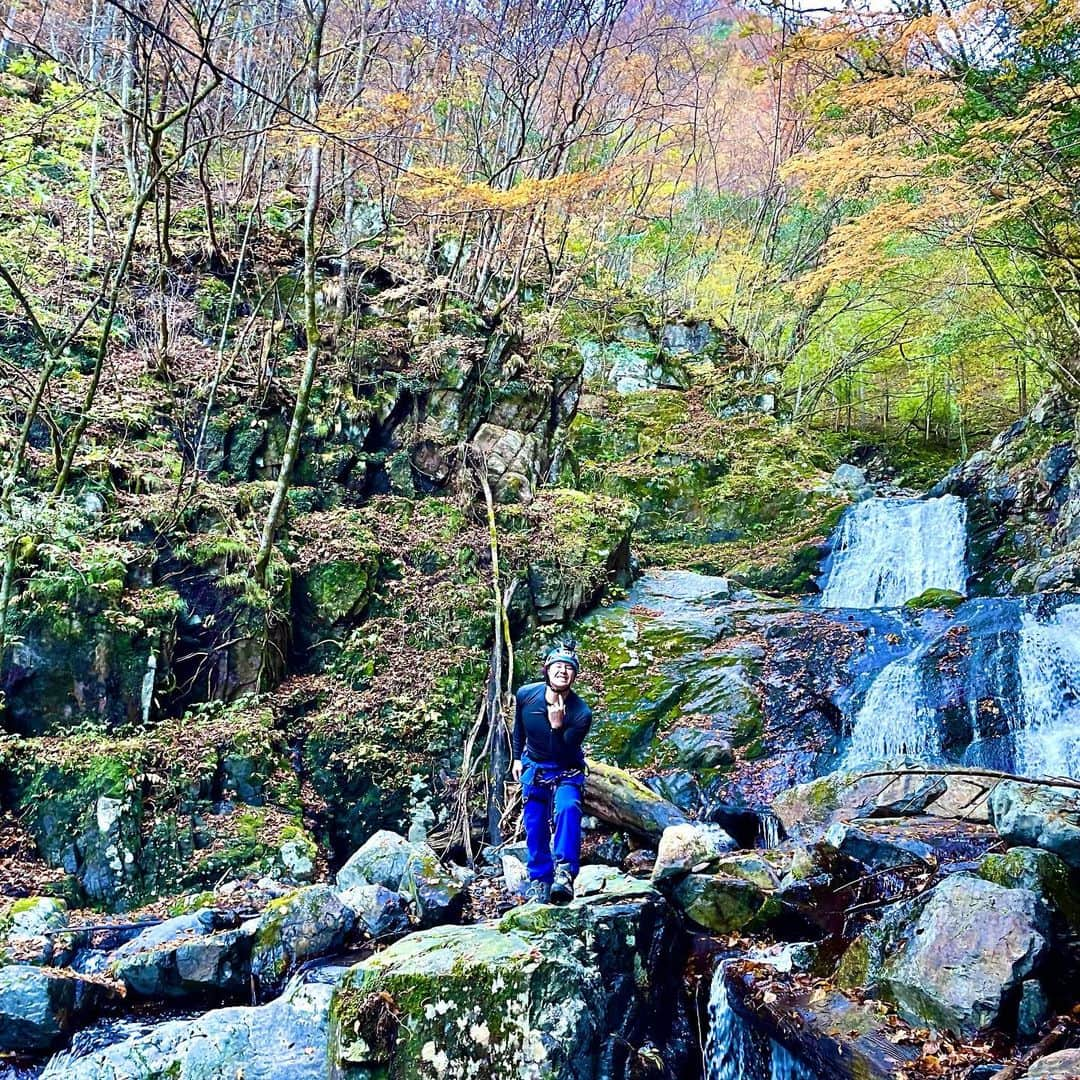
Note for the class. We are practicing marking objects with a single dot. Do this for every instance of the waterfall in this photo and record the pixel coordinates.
(895, 721)
(1047, 735)
(889, 551)
(736, 1050)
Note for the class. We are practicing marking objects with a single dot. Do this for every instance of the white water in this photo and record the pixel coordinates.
(889, 551)
(1048, 735)
(894, 721)
(734, 1050)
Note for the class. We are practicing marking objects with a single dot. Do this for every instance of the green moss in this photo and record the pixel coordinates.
(936, 598)
(854, 969)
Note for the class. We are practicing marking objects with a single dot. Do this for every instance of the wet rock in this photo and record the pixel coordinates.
(307, 923)
(380, 912)
(717, 902)
(878, 852)
(684, 848)
(1033, 1011)
(848, 478)
(749, 867)
(1063, 1065)
(700, 748)
(185, 958)
(612, 850)
(31, 932)
(971, 945)
(286, 1038)
(39, 1007)
(678, 786)
(1037, 816)
(1040, 872)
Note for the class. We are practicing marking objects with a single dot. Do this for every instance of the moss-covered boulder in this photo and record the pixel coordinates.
(304, 924)
(1040, 872)
(719, 902)
(90, 642)
(557, 992)
(34, 931)
(687, 847)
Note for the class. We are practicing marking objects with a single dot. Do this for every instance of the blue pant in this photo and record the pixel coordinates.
(551, 796)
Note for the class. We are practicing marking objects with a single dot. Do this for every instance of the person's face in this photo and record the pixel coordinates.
(560, 675)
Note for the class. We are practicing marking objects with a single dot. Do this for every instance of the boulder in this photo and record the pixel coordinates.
(972, 944)
(184, 958)
(598, 880)
(684, 848)
(307, 923)
(380, 861)
(286, 1038)
(1063, 1065)
(39, 1007)
(1040, 872)
(876, 851)
(700, 748)
(380, 912)
(560, 992)
(31, 932)
(718, 902)
(1037, 816)
(437, 895)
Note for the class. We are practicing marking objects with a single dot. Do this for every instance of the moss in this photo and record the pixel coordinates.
(935, 598)
(854, 969)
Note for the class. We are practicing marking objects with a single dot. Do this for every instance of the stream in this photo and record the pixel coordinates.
(994, 682)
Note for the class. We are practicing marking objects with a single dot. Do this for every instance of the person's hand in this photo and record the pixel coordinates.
(516, 770)
(557, 712)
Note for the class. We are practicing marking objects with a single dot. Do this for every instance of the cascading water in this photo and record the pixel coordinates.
(889, 551)
(735, 1050)
(1047, 738)
(895, 720)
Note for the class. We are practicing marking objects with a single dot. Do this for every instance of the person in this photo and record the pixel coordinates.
(550, 724)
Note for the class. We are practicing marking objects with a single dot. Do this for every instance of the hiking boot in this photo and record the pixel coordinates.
(538, 892)
(562, 888)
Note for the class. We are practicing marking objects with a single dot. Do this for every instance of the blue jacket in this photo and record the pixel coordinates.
(533, 734)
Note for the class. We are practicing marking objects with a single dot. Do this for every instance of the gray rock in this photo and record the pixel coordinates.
(971, 945)
(380, 861)
(515, 875)
(877, 852)
(717, 902)
(1033, 1011)
(307, 923)
(700, 748)
(286, 1038)
(597, 880)
(1036, 816)
(848, 478)
(691, 338)
(684, 848)
(39, 1007)
(513, 461)
(1064, 1065)
(184, 957)
(437, 895)
(380, 912)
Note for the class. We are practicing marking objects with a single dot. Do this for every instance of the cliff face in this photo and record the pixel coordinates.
(1023, 496)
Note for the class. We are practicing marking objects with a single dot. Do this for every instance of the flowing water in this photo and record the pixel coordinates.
(736, 1050)
(889, 551)
(1048, 661)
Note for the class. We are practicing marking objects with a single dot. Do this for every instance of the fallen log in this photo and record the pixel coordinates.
(616, 797)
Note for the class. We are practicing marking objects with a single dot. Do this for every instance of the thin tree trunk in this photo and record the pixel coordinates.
(311, 322)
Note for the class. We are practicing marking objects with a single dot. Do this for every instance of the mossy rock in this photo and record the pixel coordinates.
(463, 1001)
(936, 598)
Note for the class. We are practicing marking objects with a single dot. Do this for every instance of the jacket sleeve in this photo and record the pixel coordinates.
(519, 728)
